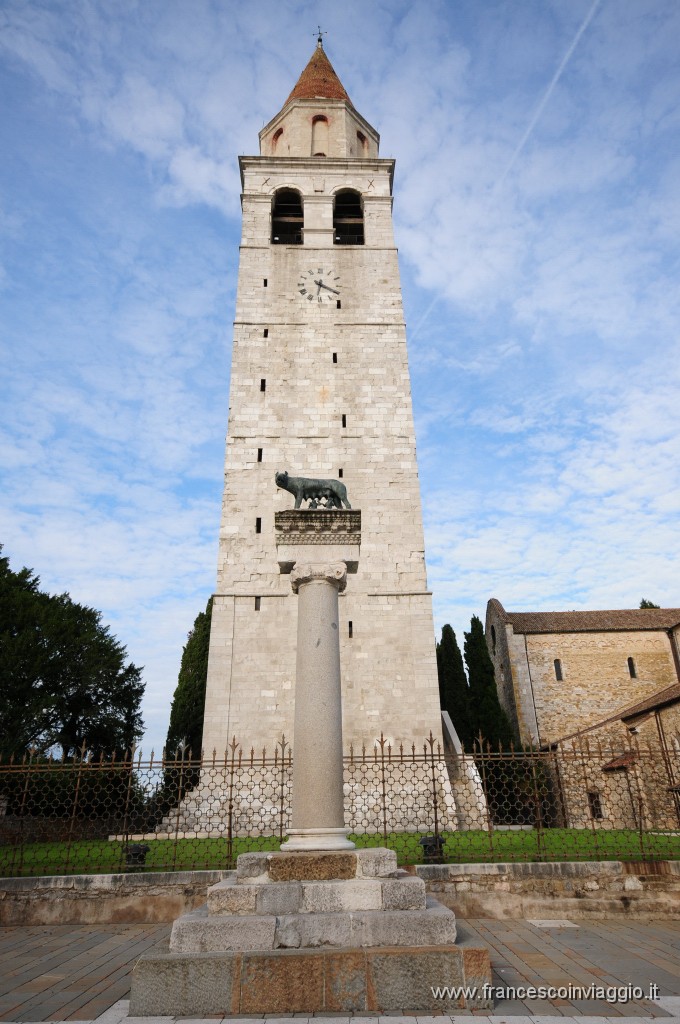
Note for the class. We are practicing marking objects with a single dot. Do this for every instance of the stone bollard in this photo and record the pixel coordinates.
(318, 821)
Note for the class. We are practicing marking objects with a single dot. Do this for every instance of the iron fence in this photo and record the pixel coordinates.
(578, 802)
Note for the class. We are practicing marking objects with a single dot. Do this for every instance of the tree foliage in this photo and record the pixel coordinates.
(644, 603)
(64, 679)
(454, 693)
(488, 717)
(188, 703)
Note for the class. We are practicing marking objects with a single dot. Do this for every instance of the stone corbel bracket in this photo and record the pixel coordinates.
(318, 536)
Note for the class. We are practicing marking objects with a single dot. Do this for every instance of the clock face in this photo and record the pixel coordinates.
(319, 286)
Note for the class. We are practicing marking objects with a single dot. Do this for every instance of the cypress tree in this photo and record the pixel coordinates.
(488, 717)
(454, 693)
(188, 702)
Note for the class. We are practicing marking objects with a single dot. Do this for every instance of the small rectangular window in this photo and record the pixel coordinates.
(265, 333)
(264, 283)
(258, 525)
(340, 474)
(350, 629)
(595, 805)
(338, 304)
(257, 603)
(558, 669)
(263, 384)
(344, 420)
(632, 671)
(259, 455)
(335, 357)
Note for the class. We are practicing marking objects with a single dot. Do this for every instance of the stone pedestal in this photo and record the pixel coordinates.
(319, 926)
(311, 932)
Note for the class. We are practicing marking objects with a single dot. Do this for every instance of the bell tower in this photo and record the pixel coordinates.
(320, 388)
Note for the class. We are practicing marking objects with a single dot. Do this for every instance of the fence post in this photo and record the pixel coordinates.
(485, 790)
(540, 849)
(435, 802)
(22, 811)
(585, 794)
(181, 747)
(230, 805)
(126, 811)
(75, 808)
(383, 786)
(282, 800)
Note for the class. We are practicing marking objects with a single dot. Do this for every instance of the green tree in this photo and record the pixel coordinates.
(488, 717)
(188, 702)
(644, 603)
(454, 692)
(64, 679)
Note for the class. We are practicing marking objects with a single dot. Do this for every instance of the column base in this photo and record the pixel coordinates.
(317, 839)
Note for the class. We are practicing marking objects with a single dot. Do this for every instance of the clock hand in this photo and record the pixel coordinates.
(327, 287)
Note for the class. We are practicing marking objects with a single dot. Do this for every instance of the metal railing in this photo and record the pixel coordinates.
(579, 802)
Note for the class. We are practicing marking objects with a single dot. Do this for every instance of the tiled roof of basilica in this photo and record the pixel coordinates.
(589, 621)
(319, 81)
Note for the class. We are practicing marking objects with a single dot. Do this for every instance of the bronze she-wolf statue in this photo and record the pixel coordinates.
(333, 492)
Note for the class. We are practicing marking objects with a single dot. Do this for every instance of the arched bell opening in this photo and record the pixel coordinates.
(287, 217)
(348, 218)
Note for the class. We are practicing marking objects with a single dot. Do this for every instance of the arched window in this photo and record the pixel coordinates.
(275, 138)
(287, 217)
(348, 218)
(558, 669)
(319, 135)
(631, 668)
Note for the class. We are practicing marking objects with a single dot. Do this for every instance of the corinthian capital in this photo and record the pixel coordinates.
(334, 573)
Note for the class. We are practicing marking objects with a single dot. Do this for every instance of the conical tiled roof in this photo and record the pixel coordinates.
(319, 80)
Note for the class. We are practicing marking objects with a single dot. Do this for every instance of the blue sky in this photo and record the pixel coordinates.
(537, 213)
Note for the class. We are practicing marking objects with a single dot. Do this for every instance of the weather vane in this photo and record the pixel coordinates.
(319, 37)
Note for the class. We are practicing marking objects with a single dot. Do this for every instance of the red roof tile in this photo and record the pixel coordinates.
(319, 81)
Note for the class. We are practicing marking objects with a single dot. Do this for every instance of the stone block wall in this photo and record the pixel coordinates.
(321, 391)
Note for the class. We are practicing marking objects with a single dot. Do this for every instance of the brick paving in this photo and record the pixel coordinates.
(82, 972)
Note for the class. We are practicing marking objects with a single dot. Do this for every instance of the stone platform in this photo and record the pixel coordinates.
(310, 932)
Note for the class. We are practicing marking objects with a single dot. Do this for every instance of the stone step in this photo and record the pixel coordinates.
(338, 981)
(405, 892)
(199, 931)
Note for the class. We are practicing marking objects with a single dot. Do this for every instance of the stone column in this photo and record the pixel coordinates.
(318, 818)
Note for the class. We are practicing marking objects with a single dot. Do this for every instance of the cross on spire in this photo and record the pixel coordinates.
(319, 37)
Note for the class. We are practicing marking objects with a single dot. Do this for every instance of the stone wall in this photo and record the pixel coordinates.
(553, 891)
(596, 682)
(557, 890)
(298, 368)
(104, 899)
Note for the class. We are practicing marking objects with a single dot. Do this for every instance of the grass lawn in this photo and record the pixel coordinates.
(105, 857)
